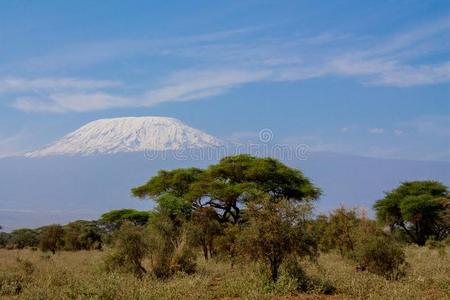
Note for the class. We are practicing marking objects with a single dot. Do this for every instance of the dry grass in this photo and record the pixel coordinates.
(29, 274)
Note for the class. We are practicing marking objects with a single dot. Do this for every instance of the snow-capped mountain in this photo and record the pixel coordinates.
(130, 134)
(62, 182)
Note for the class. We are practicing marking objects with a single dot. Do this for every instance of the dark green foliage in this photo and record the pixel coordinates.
(51, 238)
(21, 238)
(420, 208)
(130, 249)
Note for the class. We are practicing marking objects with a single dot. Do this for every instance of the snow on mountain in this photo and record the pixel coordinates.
(130, 134)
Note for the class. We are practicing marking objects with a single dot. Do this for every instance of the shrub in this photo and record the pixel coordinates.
(130, 249)
(380, 255)
(169, 250)
(183, 259)
(305, 283)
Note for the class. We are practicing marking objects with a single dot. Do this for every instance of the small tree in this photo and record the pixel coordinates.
(420, 208)
(277, 230)
(51, 238)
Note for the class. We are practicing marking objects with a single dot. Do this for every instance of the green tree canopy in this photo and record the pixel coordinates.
(228, 185)
(176, 182)
(115, 218)
(420, 208)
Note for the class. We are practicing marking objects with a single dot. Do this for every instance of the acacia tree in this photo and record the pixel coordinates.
(229, 185)
(419, 208)
(113, 219)
(277, 230)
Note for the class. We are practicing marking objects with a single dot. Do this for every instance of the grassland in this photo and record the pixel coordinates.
(26, 274)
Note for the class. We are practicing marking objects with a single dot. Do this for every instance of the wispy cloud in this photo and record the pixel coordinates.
(12, 85)
(181, 86)
(221, 61)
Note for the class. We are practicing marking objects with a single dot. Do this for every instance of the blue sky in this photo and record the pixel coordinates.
(360, 77)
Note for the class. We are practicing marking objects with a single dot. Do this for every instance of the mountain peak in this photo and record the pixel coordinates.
(129, 134)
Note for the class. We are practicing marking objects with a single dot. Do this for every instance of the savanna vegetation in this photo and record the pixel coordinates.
(242, 228)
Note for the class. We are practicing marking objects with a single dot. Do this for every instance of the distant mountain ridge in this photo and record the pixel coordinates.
(129, 134)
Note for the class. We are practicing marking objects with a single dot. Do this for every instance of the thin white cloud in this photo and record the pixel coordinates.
(81, 102)
(11, 85)
(391, 73)
(182, 86)
(191, 85)
(221, 63)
